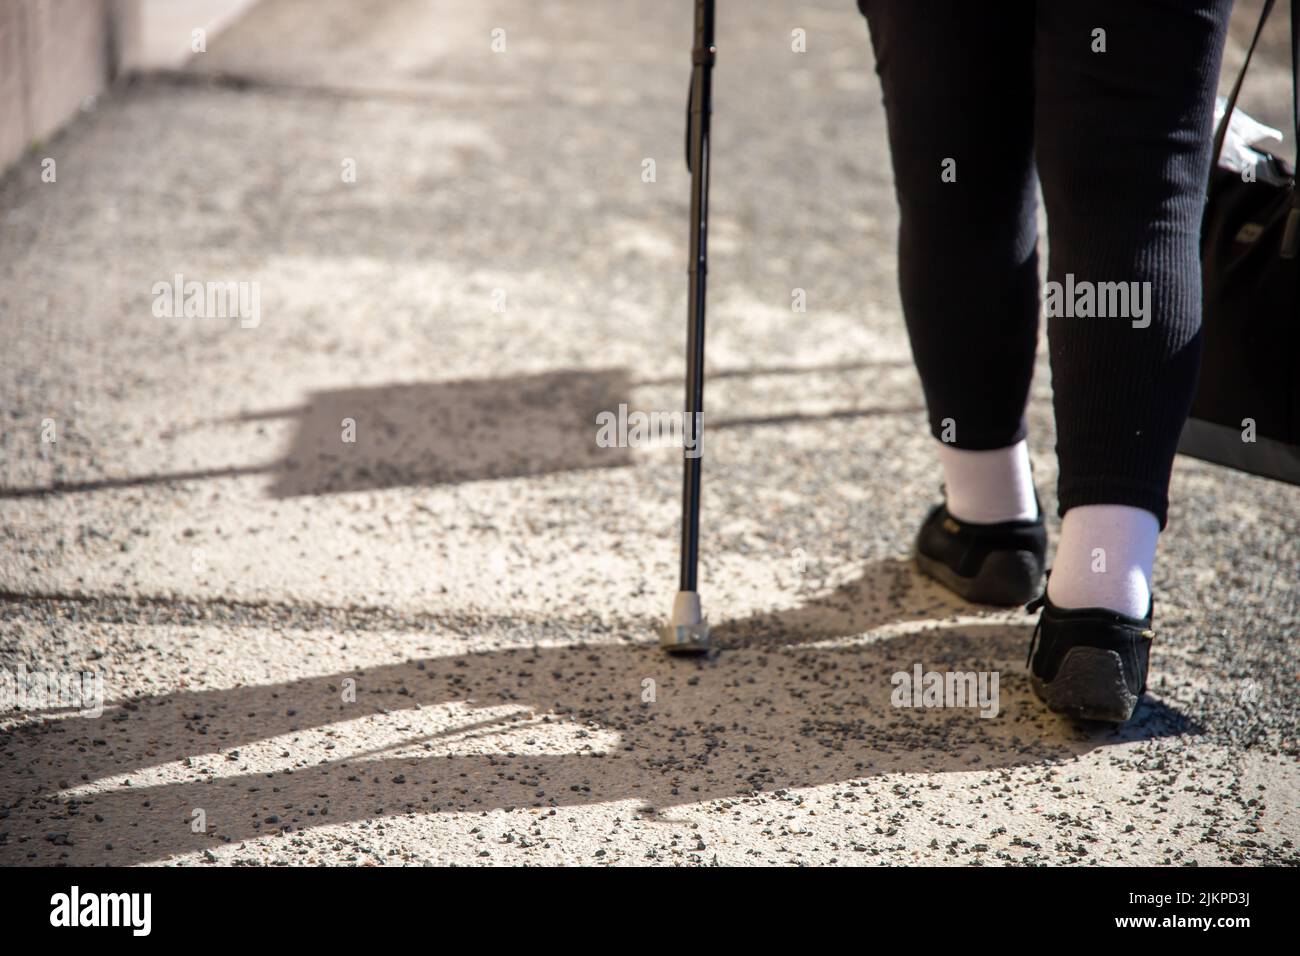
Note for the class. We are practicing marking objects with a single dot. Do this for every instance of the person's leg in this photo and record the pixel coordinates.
(1123, 110)
(957, 79)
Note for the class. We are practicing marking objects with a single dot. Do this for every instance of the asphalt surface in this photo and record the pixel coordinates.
(434, 644)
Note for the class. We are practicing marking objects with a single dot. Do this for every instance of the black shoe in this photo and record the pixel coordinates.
(1091, 663)
(987, 563)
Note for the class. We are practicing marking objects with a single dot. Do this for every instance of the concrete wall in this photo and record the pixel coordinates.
(165, 28)
(55, 54)
(13, 99)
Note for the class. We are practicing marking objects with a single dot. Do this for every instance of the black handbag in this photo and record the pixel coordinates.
(1246, 413)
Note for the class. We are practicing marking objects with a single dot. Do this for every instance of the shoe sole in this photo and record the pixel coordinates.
(1005, 579)
(1089, 685)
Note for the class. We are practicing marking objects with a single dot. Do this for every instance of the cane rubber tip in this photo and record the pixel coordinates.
(682, 641)
(687, 632)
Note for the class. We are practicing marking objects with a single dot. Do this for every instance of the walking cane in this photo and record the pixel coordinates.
(687, 631)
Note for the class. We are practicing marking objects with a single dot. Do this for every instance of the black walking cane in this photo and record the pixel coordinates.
(687, 631)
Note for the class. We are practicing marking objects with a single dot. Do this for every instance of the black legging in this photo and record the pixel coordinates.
(1121, 142)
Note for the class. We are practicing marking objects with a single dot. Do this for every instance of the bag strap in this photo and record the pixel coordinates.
(1290, 247)
(1295, 72)
(1291, 232)
(1221, 133)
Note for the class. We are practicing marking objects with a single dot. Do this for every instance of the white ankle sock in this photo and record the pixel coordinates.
(986, 487)
(1105, 559)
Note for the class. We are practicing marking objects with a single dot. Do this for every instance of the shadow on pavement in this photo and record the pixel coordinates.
(542, 726)
(450, 432)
